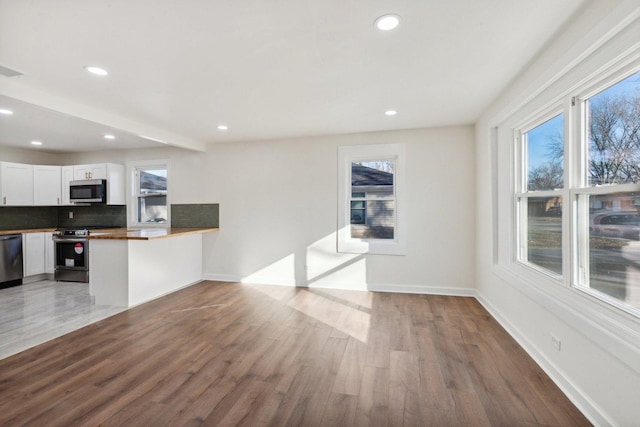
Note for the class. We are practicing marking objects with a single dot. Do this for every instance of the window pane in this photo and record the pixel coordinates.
(612, 129)
(153, 181)
(373, 179)
(152, 195)
(152, 209)
(544, 232)
(378, 223)
(372, 218)
(545, 153)
(612, 258)
(358, 212)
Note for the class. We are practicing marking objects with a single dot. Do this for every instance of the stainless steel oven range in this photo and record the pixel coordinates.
(71, 255)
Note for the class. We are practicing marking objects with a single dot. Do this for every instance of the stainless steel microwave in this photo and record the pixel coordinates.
(88, 191)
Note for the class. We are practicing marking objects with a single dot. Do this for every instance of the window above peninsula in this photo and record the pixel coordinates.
(149, 204)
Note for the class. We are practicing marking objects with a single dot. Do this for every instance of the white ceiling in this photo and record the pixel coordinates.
(60, 132)
(267, 69)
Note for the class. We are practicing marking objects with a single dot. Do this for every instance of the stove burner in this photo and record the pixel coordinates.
(75, 232)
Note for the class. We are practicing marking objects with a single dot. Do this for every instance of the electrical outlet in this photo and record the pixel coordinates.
(70, 215)
(555, 341)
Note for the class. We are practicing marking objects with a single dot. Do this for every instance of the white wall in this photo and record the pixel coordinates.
(599, 362)
(278, 210)
(279, 213)
(33, 157)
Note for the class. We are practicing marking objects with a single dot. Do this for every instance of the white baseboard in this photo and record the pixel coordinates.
(36, 278)
(403, 289)
(573, 393)
(221, 278)
(426, 290)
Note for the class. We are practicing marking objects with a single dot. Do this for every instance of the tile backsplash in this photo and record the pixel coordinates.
(205, 215)
(95, 215)
(28, 217)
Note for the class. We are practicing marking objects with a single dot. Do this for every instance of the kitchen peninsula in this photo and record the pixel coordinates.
(130, 267)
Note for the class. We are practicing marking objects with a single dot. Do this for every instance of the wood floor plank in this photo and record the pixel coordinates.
(349, 376)
(230, 354)
(373, 401)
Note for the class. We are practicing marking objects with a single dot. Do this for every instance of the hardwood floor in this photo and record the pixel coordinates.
(228, 354)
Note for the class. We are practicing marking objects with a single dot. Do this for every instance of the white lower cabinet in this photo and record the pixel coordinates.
(49, 253)
(33, 253)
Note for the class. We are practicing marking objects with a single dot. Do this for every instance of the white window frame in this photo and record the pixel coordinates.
(358, 153)
(575, 251)
(522, 193)
(580, 256)
(133, 189)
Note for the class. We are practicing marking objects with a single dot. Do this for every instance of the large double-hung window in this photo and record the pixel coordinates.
(578, 191)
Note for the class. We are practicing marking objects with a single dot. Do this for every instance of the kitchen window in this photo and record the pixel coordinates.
(371, 197)
(149, 205)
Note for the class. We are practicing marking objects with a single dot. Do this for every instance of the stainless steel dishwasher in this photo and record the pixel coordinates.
(11, 272)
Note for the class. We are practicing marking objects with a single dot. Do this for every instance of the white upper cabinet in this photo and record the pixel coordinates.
(113, 173)
(67, 177)
(47, 185)
(16, 184)
(95, 171)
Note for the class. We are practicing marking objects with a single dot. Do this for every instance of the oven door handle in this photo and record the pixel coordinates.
(69, 240)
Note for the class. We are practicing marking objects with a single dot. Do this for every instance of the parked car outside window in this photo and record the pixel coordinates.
(618, 224)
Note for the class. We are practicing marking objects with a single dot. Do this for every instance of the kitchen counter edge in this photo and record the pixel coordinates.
(145, 234)
(27, 230)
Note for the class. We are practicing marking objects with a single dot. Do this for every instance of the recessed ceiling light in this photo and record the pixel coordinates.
(6, 112)
(390, 113)
(36, 143)
(109, 136)
(387, 22)
(96, 70)
(223, 127)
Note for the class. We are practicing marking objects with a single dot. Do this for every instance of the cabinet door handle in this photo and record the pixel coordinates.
(58, 200)
(4, 200)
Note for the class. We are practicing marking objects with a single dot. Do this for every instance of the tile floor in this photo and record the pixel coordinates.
(37, 312)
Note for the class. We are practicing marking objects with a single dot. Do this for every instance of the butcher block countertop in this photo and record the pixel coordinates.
(26, 230)
(144, 234)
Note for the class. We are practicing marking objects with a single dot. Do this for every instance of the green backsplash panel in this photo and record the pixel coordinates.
(205, 215)
(27, 217)
(94, 215)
